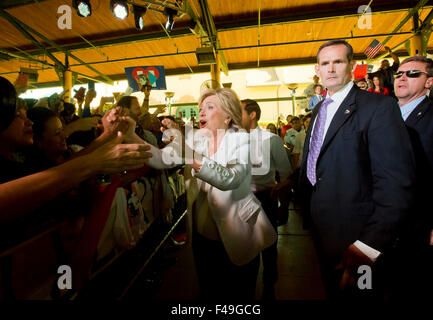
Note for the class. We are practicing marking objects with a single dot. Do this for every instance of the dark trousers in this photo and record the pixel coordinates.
(219, 279)
(270, 254)
(409, 272)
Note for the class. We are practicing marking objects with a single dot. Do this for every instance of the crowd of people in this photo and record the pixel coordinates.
(359, 162)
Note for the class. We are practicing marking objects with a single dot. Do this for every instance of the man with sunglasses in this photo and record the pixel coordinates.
(412, 80)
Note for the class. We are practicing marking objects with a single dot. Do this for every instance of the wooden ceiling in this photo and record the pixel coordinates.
(289, 33)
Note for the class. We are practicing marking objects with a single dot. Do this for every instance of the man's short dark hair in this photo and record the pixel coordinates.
(126, 101)
(294, 119)
(337, 42)
(427, 61)
(250, 106)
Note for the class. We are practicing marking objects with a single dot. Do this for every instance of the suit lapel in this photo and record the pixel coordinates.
(344, 111)
(418, 112)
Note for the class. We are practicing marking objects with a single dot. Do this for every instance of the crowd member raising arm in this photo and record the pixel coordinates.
(21, 192)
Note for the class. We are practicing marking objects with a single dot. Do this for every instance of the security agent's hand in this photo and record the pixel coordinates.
(431, 238)
(352, 259)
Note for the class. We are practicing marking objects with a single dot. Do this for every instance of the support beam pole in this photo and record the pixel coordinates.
(215, 71)
(416, 48)
(67, 85)
(212, 33)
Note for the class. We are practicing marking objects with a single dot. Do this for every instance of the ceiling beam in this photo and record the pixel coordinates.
(413, 11)
(107, 42)
(8, 4)
(18, 55)
(25, 31)
(233, 66)
(270, 18)
(221, 26)
(213, 34)
(240, 47)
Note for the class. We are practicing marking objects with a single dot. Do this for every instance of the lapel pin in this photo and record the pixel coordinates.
(419, 113)
(347, 111)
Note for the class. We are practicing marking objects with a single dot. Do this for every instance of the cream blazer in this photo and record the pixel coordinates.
(242, 224)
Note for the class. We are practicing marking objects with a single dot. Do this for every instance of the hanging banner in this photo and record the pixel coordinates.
(361, 70)
(145, 75)
(21, 83)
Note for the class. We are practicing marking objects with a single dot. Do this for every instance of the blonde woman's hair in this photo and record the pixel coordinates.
(229, 102)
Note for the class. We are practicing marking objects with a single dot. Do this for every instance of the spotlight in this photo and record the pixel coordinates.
(119, 8)
(170, 13)
(83, 7)
(139, 12)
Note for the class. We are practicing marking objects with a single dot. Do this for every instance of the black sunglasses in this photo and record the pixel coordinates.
(409, 74)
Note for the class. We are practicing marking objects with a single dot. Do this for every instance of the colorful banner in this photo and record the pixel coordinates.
(144, 75)
(361, 70)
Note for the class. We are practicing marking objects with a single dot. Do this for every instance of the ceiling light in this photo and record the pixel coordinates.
(170, 13)
(139, 12)
(205, 56)
(83, 7)
(119, 8)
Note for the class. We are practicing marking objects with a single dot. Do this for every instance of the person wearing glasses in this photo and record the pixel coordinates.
(415, 253)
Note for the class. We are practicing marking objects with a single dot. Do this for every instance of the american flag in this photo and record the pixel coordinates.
(373, 49)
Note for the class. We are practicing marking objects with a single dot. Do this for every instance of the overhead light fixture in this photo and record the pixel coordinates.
(205, 56)
(139, 12)
(170, 13)
(119, 8)
(83, 7)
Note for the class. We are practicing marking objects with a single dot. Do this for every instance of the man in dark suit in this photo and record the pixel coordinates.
(357, 174)
(413, 78)
(316, 98)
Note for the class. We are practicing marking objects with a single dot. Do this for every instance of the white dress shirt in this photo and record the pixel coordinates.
(299, 142)
(338, 98)
(273, 149)
(407, 109)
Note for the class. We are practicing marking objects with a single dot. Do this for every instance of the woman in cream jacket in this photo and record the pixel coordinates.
(229, 226)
